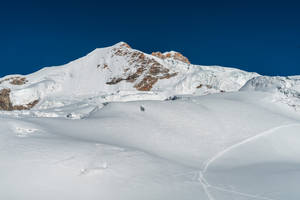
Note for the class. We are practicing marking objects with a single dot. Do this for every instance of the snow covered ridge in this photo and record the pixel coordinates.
(120, 69)
(284, 89)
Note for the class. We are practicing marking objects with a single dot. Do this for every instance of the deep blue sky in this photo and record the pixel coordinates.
(261, 36)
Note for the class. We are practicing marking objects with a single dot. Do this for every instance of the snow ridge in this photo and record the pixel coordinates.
(120, 69)
(285, 90)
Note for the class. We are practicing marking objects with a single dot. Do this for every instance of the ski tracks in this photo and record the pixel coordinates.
(205, 183)
(264, 133)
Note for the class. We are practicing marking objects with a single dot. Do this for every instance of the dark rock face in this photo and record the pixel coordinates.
(147, 70)
(15, 80)
(175, 55)
(18, 81)
(5, 102)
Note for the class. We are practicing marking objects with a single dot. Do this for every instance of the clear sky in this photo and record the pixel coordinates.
(261, 36)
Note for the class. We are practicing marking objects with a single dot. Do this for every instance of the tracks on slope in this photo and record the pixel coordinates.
(201, 172)
(205, 183)
(220, 154)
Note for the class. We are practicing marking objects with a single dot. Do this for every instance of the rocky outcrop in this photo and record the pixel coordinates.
(15, 80)
(6, 104)
(18, 81)
(147, 70)
(174, 55)
(146, 84)
(124, 44)
(201, 86)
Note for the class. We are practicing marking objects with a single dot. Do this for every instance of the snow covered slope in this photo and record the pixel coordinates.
(216, 147)
(119, 124)
(285, 90)
(118, 71)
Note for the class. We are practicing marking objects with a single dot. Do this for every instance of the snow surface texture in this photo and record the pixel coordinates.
(90, 140)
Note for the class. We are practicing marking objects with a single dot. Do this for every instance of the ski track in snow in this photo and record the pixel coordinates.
(201, 173)
(240, 193)
(205, 183)
(267, 132)
(205, 186)
(209, 195)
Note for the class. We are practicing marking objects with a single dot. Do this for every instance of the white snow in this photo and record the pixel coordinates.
(89, 140)
(285, 90)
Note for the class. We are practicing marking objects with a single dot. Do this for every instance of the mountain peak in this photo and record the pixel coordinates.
(171, 54)
(122, 44)
(119, 69)
(166, 55)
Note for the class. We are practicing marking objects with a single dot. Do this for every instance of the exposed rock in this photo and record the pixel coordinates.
(146, 84)
(114, 81)
(174, 55)
(5, 102)
(145, 67)
(124, 44)
(199, 86)
(179, 56)
(167, 76)
(15, 80)
(18, 81)
(207, 86)
(158, 54)
(26, 107)
(133, 77)
(172, 98)
(105, 66)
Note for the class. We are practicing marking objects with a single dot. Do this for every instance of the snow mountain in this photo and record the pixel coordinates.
(120, 124)
(116, 73)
